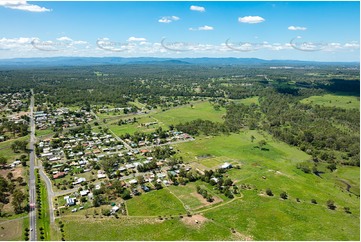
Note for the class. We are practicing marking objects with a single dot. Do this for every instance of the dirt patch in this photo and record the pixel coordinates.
(194, 221)
(17, 172)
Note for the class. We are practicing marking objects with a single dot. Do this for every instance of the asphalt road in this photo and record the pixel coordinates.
(32, 191)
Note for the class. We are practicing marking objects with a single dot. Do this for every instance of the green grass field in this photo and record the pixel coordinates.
(202, 110)
(146, 229)
(248, 101)
(44, 220)
(7, 152)
(330, 100)
(45, 132)
(270, 218)
(134, 127)
(240, 147)
(188, 195)
(155, 203)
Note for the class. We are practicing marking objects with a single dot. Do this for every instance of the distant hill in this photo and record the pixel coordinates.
(87, 61)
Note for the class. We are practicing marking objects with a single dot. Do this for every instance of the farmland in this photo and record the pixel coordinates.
(242, 157)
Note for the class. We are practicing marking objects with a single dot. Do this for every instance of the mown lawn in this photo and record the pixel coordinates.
(202, 110)
(330, 100)
(155, 203)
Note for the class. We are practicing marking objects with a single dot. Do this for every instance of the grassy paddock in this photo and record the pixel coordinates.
(155, 203)
(7, 152)
(202, 110)
(248, 101)
(331, 100)
(12, 230)
(143, 229)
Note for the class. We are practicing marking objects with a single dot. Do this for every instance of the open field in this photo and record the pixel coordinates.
(7, 152)
(270, 218)
(248, 101)
(11, 230)
(240, 147)
(134, 127)
(189, 196)
(144, 229)
(155, 203)
(45, 132)
(330, 100)
(203, 110)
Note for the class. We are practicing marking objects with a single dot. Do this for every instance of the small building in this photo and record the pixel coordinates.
(226, 166)
(59, 175)
(101, 176)
(84, 192)
(114, 209)
(70, 201)
(133, 181)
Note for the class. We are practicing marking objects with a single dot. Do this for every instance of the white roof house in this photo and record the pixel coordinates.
(84, 192)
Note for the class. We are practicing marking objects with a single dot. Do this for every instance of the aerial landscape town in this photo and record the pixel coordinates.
(178, 140)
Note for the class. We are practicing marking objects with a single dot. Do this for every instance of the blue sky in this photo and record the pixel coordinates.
(324, 31)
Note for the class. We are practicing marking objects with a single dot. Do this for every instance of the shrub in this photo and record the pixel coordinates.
(269, 192)
(283, 195)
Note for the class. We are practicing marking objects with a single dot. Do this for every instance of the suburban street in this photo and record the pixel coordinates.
(32, 191)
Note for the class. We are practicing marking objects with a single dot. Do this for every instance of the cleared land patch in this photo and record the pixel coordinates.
(203, 110)
(330, 100)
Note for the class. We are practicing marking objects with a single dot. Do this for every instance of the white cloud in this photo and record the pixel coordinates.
(197, 8)
(205, 27)
(64, 38)
(251, 19)
(296, 28)
(135, 39)
(80, 42)
(22, 5)
(168, 19)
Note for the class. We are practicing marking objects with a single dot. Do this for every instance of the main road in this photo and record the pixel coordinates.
(32, 191)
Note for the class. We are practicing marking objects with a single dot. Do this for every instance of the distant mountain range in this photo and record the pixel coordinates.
(88, 61)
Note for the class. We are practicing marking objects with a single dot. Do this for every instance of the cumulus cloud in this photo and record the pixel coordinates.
(251, 19)
(64, 38)
(168, 19)
(205, 27)
(197, 8)
(22, 5)
(296, 28)
(135, 39)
